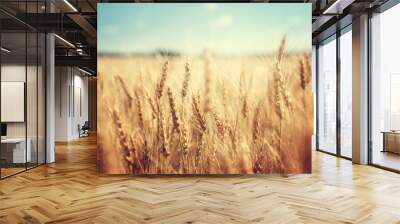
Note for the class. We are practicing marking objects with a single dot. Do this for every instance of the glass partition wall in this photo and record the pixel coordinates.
(334, 93)
(22, 98)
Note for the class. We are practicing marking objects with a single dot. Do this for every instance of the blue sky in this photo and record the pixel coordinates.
(190, 28)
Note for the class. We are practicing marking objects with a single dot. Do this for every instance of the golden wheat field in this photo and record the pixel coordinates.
(205, 115)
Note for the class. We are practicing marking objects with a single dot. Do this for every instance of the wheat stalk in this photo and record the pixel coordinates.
(125, 90)
(302, 74)
(163, 79)
(201, 123)
(162, 135)
(185, 84)
(285, 93)
(153, 108)
(256, 134)
(174, 113)
(219, 123)
(279, 54)
(232, 133)
(184, 141)
(199, 116)
(256, 124)
(207, 82)
(139, 111)
(279, 92)
(305, 71)
(145, 158)
(245, 107)
(128, 153)
(308, 62)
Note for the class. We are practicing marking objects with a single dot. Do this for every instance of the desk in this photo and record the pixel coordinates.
(13, 150)
(391, 141)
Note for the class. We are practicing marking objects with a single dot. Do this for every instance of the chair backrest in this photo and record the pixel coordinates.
(86, 124)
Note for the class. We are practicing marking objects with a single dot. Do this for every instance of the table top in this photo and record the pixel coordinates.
(13, 140)
(391, 132)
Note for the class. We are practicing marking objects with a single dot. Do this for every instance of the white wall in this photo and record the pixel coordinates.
(81, 85)
(12, 73)
(62, 82)
(71, 94)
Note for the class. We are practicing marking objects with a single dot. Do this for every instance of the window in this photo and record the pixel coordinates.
(385, 89)
(327, 96)
(346, 93)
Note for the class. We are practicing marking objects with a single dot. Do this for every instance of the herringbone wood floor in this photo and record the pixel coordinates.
(70, 191)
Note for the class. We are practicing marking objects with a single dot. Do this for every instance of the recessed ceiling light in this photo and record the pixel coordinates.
(70, 5)
(65, 41)
(5, 50)
(84, 71)
(337, 7)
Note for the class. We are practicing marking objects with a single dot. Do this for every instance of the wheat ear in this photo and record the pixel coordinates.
(201, 123)
(185, 84)
(207, 82)
(302, 74)
(123, 141)
(199, 116)
(174, 113)
(125, 90)
(220, 125)
(139, 111)
(163, 79)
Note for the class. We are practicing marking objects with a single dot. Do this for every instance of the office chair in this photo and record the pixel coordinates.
(84, 130)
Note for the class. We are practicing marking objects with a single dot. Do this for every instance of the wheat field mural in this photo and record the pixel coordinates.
(205, 113)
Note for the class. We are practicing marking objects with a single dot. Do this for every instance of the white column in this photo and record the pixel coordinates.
(50, 110)
(360, 90)
(50, 92)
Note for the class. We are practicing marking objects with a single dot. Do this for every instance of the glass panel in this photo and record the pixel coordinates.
(41, 98)
(31, 98)
(327, 96)
(32, 87)
(385, 89)
(13, 89)
(346, 94)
